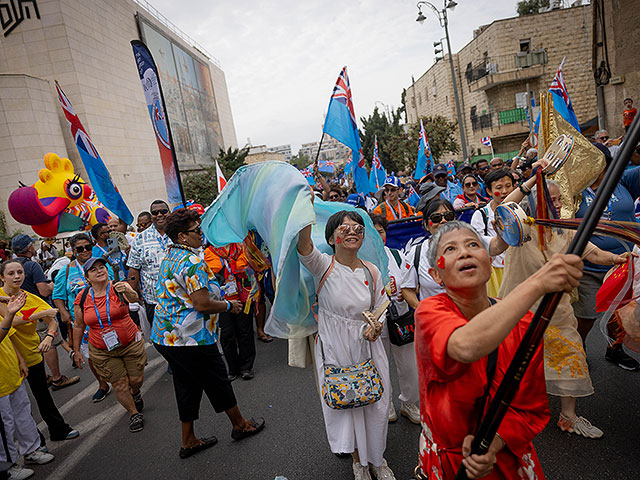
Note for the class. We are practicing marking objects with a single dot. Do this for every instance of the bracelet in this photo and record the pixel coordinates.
(49, 335)
(523, 191)
(6, 329)
(52, 332)
(228, 305)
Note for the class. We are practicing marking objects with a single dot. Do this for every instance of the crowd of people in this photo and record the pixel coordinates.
(455, 310)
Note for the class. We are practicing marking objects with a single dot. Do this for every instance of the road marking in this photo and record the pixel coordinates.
(87, 392)
(100, 423)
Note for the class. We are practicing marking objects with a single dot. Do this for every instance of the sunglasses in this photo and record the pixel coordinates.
(197, 230)
(162, 211)
(356, 229)
(82, 248)
(391, 189)
(484, 168)
(437, 217)
(471, 184)
(334, 197)
(497, 165)
(603, 138)
(143, 225)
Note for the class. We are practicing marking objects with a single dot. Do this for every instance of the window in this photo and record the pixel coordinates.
(419, 98)
(525, 45)
(433, 88)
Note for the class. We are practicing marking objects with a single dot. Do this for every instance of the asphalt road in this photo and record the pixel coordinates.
(294, 443)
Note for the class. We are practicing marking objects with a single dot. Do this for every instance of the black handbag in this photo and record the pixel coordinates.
(401, 327)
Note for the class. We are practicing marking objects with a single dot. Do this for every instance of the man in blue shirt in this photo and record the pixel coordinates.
(620, 208)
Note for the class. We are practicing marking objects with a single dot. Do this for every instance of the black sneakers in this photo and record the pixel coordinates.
(136, 423)
(618, 356)
(139, 403)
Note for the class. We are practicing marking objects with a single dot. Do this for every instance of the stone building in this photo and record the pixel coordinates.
(506, 63)
(85, 47)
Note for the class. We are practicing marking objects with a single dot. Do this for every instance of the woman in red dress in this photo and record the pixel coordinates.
(456, 334)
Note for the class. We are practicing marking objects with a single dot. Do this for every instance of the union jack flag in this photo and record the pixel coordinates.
(558, 86)
(486, 141)
(78, 132)
(342, 93)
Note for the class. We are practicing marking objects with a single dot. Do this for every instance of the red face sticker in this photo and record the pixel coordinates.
(440, 262)
(497, 194)
(430, 223)
(338, 240)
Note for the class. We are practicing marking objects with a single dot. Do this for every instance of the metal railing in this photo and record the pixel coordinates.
(504, 63)
(176, 31)
(492, 118)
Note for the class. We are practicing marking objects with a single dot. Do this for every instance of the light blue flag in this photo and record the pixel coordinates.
(273, 199)
(424, 162)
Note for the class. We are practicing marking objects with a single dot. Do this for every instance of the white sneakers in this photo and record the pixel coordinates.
(579, 426)
(360, 472)
(19, 473)
(382, 472)
(411, 411)
(393, 416)
(38, 458)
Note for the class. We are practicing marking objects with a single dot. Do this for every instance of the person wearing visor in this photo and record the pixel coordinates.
(393, 208)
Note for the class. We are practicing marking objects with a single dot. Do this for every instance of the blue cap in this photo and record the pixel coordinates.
(19, 243)
(355, 200)
(439, 169)
(89, 263)
(391, 180)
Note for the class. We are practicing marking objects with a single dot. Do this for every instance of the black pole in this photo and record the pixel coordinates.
(535, 333)
(315, 162)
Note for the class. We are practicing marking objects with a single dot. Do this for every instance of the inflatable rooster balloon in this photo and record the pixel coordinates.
(60, 201)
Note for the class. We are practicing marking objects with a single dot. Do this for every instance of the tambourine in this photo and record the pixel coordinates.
(121, 238)
(511, 222)
(557, 154)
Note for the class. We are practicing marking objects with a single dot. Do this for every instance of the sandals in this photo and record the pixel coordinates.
(257, 425)
(265, 338)
(186, 452)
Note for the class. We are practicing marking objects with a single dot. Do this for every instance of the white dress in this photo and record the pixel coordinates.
(343, 298)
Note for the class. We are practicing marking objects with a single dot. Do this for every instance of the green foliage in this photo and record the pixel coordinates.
(398, 148)
(300, 160)
(202, 186)
(530, 7)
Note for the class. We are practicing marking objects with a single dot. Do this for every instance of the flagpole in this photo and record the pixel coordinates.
(315, 162)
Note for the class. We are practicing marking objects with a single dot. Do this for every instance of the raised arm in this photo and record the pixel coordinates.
(305, 244)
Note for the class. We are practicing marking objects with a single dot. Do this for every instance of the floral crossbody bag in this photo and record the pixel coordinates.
(351, 386)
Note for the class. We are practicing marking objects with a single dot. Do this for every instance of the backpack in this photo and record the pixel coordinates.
(403, 205)
(485, 219)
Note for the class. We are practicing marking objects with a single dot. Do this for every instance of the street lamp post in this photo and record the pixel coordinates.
(444, 23)
(386, 108)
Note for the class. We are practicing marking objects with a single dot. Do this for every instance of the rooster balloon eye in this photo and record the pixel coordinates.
(74, 190)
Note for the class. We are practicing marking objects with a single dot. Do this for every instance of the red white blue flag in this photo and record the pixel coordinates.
(378, 173)
(486, 141)
(424, 156)
(99, 176)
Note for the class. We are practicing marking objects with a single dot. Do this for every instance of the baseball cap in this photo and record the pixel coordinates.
(355, 200)
(465, 165)
(439, 169)
(21, 242)
(89, 263)
(391, 180)
(429, 191)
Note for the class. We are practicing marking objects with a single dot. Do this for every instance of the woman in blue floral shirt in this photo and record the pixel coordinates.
(185, 332)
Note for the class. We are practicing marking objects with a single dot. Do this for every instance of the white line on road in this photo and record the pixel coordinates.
(99, 425)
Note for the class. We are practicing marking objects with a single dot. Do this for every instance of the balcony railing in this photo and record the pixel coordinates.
(504, 64)
(491, 119)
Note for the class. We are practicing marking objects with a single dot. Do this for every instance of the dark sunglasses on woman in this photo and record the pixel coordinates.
(437, 217)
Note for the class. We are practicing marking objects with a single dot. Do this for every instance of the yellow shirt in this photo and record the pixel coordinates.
(10, 378)
(26, 338)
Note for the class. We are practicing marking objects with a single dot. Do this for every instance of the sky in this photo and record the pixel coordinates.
(281, 58)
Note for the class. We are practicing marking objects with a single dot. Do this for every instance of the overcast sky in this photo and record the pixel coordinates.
(282, 57)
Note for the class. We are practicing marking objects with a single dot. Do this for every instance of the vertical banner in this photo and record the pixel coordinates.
(155, 103)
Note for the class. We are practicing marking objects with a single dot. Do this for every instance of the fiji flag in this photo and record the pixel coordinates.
(424, 155)
(340, 123)
(412, 197)
(378, 173)
(561, 101)
(326, 166)
(451, 167)
(99, 176)
(348, 168)
(308, 174)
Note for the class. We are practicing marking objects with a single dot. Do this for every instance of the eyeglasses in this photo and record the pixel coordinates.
(356, 229)
(484, 168)
(334, 197)
(143, 225)
(162, 211)
(471, 184)
(391, 189)
(82, 248)
(437, 217)
(497, 165)
(197, 230)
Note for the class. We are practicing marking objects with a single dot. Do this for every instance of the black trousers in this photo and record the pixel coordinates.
(236, 339)
(198, 369)
(150, 310)
(37, 379)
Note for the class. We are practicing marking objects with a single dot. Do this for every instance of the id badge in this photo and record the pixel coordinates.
(230, 288)
(110, 340)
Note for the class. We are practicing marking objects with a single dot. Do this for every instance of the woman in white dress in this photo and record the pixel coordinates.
(345, 339)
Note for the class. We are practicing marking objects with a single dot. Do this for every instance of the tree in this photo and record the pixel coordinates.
(202, 186)
(398, 148)
(530, 7)
(300, 160)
